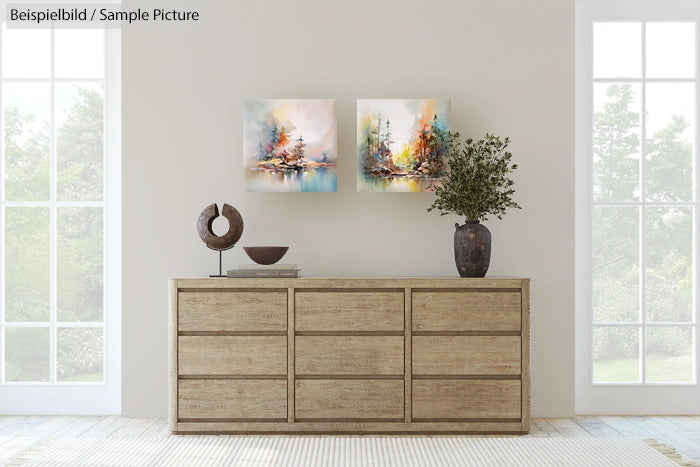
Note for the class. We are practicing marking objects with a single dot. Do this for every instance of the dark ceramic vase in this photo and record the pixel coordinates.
(472, 249)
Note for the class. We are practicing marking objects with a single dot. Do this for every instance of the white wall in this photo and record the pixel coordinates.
(506, 65)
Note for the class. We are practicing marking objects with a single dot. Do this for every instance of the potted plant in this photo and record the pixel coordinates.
(475, 185)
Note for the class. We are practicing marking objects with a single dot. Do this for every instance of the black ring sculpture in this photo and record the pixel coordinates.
(226, 241)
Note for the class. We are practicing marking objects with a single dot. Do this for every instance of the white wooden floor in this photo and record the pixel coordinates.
(17, 433)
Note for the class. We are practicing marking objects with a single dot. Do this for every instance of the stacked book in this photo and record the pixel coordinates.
(270, 270)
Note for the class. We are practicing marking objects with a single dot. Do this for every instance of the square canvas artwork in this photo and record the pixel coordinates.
(290, 145)
(401, 143)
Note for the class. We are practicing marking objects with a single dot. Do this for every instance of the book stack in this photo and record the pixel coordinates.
(259, 270)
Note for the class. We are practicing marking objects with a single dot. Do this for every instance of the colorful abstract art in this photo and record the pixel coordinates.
(401, 143)
(290, 145)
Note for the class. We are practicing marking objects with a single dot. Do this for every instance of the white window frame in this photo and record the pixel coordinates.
(79, 398)
(623, 398)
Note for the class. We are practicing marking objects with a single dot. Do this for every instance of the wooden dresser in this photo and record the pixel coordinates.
(350, 355)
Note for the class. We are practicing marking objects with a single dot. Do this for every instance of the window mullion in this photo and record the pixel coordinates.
(686, 324)
(696, 260)
(639, 80)
(2, 221)
(657, 204)
(642, 213)
(62, 204)
(52, 216)
(106, 91)
(590, 203)
(55, 80)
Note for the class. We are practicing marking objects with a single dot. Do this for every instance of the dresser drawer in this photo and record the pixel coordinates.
(232, 311)
(239, 399)
(466, 311)
(466, 355)
(349, 399)
(348, 355)
(349, 311)
(471, 399)
(232, 355)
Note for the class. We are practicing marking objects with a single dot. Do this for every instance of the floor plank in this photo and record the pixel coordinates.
(159, 429)
(568, 428)
(105, 427)
(680, 423)
(6, 420)
(624, 426)
(536, 431)
(20, 425)
(597, 428)
(133, 428)
(79, 426)
(544, 429)
(38, 432)
(692, 422)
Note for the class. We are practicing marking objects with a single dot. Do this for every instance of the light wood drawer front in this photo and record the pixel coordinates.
(466, 311)
(232, 355)
(349, 399)
(445, 399)
(228, 399)
(232, 311)
(466, 355)
(349, 311)
(349, 355)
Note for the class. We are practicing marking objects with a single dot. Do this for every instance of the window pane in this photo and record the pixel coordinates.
(670, 50)
(670, 141)
(79, 53)
(615, 355)
(669, 265)
(79, 268)
(27, 145)
(27, 264)
(617, 50)
(79, 142)
(616, 148)
(79, 354)
(27, 354)
(26, 53)
(669, 355)
(615, 264)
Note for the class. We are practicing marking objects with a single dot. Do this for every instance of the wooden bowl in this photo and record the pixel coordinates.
(265, 254)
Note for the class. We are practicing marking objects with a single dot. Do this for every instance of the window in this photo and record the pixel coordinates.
(59, 191)
(637, 96)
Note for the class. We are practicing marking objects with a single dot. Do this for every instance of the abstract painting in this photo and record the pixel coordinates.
(401, 143)
(290, 145)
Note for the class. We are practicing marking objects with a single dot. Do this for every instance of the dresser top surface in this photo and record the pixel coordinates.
(353, 282)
